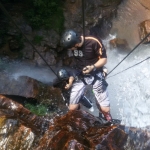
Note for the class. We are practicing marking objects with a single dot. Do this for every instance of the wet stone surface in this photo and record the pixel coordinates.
(75, 130)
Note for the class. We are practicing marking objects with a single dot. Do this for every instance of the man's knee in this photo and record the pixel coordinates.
(74, 106)
(105, 109)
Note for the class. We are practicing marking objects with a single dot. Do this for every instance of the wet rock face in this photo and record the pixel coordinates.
(144, 30)
(97, 13)
(138, 138)
(13, 45)
(17, 135)
(30, 88)
(119, 44)
(145, 3)
(12, 109)
(77, 130)
(48, 55)
(80, 130)
(18, 126)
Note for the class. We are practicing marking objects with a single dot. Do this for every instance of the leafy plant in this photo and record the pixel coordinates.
(37, 39)
(39, 110)
(46, 13)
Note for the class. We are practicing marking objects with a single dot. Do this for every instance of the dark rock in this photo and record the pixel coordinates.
(75, 130)
(97, 13)
(14, 45)
(80, 130)
(26, 29)
(120, 44)
(29, 88)
(27, 51)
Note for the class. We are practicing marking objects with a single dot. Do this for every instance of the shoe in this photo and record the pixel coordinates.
(103, 121)
(105, 116)
(107, 119)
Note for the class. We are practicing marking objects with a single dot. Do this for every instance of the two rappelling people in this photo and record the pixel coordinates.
(90, 57)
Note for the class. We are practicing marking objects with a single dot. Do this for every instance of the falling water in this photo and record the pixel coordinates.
(15, 69)
(129, 90)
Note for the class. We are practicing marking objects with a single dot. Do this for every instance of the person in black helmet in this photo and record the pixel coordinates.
(90, 57)
(64, 82)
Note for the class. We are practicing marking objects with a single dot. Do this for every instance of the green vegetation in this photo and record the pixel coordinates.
(45, 13)
(37, 39)
(39, 110)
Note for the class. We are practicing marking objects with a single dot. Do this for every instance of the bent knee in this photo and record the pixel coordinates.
(73, 106)
(105, 109)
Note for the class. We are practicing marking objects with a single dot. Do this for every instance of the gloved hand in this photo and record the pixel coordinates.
(87, 69)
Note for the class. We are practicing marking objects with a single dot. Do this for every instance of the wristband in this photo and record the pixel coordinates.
(94, 69)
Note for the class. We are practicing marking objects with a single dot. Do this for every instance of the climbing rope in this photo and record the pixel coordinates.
(129, 53)
(83, 17)
(83, 21)
(83, 24)
(129, 67)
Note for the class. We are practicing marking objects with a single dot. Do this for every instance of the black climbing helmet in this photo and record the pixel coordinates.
(63, 74)
(69, 39)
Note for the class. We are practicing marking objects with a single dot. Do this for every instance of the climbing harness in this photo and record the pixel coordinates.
(94, 77)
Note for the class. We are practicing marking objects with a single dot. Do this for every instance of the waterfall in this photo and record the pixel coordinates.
(129, 90)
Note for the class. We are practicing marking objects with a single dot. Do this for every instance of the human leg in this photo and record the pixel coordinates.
(74, 106)
(102, 99)
(106, 112)
(75, 95)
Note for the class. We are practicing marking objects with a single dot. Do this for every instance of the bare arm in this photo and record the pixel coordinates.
(101, 62)
(71, 79)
